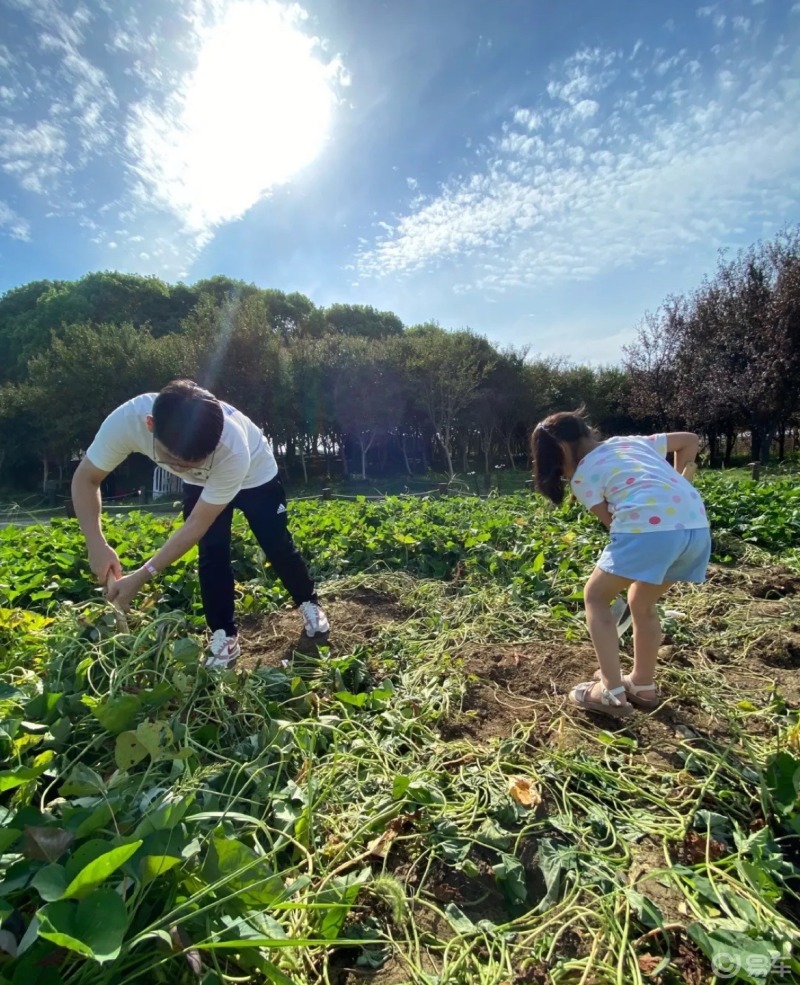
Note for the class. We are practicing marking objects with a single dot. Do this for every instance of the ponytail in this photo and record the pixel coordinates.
(548, 443)
(548, 464)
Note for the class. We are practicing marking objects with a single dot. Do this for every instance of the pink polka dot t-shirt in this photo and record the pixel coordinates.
(644, 493)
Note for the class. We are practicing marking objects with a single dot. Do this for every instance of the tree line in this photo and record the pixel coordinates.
(351, 389)
(724, 359)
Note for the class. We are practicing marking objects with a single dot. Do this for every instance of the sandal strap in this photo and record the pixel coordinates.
(611, 696)
(637, 688)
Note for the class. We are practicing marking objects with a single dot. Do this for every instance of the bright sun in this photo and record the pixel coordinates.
(257, 108)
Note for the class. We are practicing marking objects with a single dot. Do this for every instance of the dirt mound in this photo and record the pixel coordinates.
(514, 685)
(772, 582)
(356, 616)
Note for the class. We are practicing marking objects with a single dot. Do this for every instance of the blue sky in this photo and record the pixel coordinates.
(541, 172)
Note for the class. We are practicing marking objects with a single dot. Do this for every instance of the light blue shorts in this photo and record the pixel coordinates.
(663, 555)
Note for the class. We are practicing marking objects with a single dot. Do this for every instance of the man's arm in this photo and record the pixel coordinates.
(685, 445)
(183, 540)
(87, 501)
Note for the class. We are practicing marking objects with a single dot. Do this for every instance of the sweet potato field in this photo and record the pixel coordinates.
(413, 801)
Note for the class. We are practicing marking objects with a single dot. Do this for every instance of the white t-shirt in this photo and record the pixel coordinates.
(644, 493)
(243, 458)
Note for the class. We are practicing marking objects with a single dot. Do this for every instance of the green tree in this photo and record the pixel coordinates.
(447, 370)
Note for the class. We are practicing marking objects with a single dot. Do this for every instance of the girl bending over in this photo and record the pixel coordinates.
(659, 535)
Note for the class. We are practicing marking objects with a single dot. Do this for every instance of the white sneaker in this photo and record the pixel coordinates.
(222, 651)
(314, 619)
(622, 615)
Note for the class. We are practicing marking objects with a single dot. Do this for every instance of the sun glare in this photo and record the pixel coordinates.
(257, 108)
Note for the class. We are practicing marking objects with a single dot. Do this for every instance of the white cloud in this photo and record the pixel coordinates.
(34, 155)
(255, 109)
(61, 102)
(526, 118)
(675, 156)
(15, 226)
(585, 109)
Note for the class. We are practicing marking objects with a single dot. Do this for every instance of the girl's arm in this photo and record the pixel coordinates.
(602, 512)
(684, 445)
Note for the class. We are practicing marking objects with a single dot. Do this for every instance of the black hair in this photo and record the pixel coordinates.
(547, 450)
(187, 420)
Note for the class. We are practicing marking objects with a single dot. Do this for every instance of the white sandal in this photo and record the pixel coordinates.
(609, 703)
(634, 690)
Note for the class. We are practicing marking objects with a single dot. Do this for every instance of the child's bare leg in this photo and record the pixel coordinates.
(600, 590)
(642, 598)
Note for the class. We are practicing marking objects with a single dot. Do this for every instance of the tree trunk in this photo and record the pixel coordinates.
(510, 453)
(730, 441)
(755, 444)
(713, 448)
(782, 442)
(303, 463)
(766, 445)
(326, 455)
(405, 453)
(445, 445)
(486, 459)
(45, 473)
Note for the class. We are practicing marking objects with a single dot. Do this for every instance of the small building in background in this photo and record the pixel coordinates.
(165, 483)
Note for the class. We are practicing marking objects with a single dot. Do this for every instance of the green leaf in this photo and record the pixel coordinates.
(511, 876)
(459, 921)
(82, 782)
(185, 651)
(9, 779)
(115, 714)
(400, 786)
(153, 866)
(735, 955)
(425, 794)
(8, 836)
(94, 820)
(170, 812)
(358, 700)
(128, 751)
(94, 927)
(155, 737)
(340, 897)
(50, 882)
(783, 778)
(98, 870)
(647, 913)
(243, 872)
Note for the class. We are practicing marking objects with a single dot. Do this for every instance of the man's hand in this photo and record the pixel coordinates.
(123, 591)
(103, 561)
